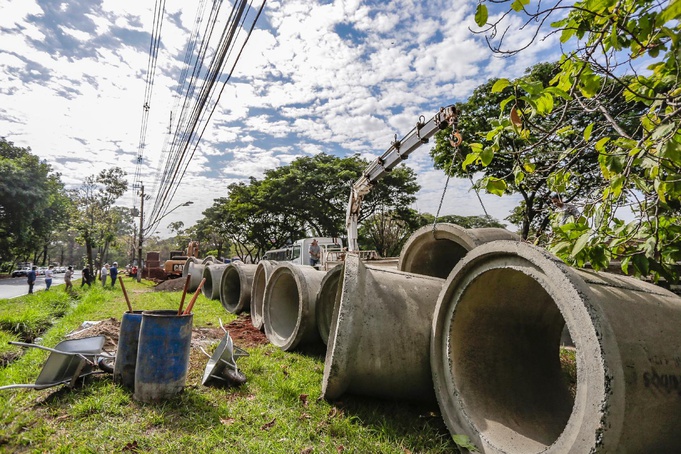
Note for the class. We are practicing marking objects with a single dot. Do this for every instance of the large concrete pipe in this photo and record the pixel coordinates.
(495, 356)
(235, 287)
(209, 259)
(196, 271)
(185, 268)
(289, 305)
(435, 251)
(380, 335)
(260, 278)
(213, 275)
(326, 299)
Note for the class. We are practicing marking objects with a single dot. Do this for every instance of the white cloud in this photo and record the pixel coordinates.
(341, 77)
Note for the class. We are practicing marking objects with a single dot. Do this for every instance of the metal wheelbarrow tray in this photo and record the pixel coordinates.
(69, 360)
(222, 364)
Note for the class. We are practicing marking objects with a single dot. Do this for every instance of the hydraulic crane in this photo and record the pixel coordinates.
(399, 151)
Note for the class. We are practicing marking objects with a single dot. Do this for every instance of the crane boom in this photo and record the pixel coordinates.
(399, 151)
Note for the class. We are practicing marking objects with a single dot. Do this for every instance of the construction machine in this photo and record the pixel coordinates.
(399, 151)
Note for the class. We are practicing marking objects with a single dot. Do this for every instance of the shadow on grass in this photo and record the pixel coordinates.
(185, 412)
(418, 427)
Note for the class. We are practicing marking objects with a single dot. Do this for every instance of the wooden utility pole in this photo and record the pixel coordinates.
(141, 238)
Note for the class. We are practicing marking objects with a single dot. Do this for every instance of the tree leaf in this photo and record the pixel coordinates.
(515, 118)
(580, 243)
(495, 186)
(517, 5)
(463, 441)
(499, 85)
(587, 132)
(481, 15)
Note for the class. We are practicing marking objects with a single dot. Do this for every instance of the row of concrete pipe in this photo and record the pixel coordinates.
(473, 318)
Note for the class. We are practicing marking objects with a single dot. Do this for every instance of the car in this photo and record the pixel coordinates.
(20, 272)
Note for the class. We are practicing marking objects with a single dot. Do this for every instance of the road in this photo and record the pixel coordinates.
(17, 286)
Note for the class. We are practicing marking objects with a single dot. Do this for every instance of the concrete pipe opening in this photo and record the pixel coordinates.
(326, 299)
(289, 306)
(435, 251)
(213, 275)
(495, 345)
(260, 278)
(235, 287)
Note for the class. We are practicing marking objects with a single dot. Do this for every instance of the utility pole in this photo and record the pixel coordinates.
(139, 246)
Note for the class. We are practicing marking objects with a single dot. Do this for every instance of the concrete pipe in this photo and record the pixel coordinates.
(289, 305)
(260, 278)
(235, 287)
(196, 271)
(326, 299)
(209, 259)
(495, 356)
(213, 275)
(436, 252)
(185, 268)
(380, 335)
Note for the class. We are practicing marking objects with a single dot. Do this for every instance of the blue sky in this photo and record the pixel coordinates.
(339, 77)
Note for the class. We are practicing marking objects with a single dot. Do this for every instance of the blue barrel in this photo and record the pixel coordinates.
(126, 354)
(162, 355)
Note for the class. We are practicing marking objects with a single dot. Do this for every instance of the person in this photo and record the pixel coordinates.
(114, 273)
(86, 277)
(315, 252)
(567, 209)
(133, 272)
(31, 279)
(68, 286)
(49, 274)
(104, 273)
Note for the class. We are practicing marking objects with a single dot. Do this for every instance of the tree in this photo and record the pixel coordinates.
(307, 197)
(95, 218)
(640, 167)
(32, 202)
(517, 167)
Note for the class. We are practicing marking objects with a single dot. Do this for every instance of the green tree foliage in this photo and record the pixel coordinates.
(527, 163)
(95, 218)
(32, 203)
(639, 163)
(307, 197)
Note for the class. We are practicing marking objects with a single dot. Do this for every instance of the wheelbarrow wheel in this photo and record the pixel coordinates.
(106, 364)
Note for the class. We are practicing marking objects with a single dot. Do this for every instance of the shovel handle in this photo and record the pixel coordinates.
(184, 293)
(190, 306)
(127, 300)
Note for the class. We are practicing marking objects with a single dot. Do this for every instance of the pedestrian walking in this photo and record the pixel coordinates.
(104, 273)
(113, 271)
(68, 286)
(86, 278)
(49, 274)
(31, 279)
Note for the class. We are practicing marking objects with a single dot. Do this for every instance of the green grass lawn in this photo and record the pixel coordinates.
(278, 409)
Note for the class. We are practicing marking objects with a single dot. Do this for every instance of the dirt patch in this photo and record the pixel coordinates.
(171, 285)
(241, 330)
(244, 334)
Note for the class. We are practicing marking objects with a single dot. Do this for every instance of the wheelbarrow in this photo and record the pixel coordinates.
(222, 364)
(69, 360)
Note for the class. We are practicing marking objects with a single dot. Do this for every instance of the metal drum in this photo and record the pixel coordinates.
(126, 354)
(162, 355)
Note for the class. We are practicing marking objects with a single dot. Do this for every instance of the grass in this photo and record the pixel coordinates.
(278, 409)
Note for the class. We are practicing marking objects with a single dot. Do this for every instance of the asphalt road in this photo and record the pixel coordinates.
(16, 286)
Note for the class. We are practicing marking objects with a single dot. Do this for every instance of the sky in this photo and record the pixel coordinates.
(341, 77)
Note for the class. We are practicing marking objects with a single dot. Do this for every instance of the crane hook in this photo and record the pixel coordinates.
(455, 139)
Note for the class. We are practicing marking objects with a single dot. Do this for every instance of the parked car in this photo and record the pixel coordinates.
(20, 272)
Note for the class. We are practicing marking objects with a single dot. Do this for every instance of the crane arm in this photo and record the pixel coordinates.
(399, 151)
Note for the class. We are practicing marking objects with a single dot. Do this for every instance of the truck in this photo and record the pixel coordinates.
(398, 151)
(298, 251)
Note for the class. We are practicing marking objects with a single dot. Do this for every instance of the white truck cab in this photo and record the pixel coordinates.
(299, 251)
